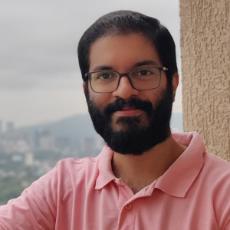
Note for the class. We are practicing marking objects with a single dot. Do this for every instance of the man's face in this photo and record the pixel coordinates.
(130, 121)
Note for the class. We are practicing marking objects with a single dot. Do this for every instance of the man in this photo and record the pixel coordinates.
(145, 177)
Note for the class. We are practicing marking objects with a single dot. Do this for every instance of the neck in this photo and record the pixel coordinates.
(139, 171)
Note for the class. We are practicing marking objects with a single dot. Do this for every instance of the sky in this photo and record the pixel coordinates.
(39, 74)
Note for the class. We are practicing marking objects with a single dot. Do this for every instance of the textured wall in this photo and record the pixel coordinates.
(205, 43)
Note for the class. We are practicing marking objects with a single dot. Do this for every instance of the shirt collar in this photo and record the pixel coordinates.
(105, 175)
(179, 177)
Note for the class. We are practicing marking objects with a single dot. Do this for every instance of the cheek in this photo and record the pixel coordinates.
(156, 94)
(152, 95)
(101, 100)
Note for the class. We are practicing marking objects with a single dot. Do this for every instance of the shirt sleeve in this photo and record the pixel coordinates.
(222, 204)
(35, 208)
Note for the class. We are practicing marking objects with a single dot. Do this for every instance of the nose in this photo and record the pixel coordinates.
(125, 89)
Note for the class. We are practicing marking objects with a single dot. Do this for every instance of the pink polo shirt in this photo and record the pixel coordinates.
(83, 194)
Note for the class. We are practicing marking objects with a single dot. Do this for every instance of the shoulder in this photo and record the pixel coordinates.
(72, 169)
(73, 165)
(217, 167)
(67, 174)
(217, 182)
(216, 173)
(37, 205)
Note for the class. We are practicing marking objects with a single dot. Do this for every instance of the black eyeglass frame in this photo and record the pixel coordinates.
(87, 77)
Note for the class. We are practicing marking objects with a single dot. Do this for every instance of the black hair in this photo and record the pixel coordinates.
(126, 22)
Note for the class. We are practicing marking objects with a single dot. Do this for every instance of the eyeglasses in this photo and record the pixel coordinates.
(141, 78)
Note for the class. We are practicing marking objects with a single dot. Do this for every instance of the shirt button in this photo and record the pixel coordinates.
(128, 207)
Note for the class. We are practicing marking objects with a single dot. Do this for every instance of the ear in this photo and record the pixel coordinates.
(175, 82)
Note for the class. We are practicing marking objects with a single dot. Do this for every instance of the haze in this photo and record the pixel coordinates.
(39, 74)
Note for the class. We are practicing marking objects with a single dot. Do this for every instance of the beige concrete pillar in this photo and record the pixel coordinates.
(205, 50)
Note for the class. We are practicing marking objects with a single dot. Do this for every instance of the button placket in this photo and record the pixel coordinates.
(126, 217)
(128, 207)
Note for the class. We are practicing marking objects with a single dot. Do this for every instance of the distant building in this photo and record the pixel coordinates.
(14, 145)
(64, 145)
(29, 159)
(46, 141)
(1, 127)
(10, 127)
(21, 146)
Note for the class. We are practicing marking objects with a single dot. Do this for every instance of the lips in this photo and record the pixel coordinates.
(132, 107)
(127, 108)
(129, 111)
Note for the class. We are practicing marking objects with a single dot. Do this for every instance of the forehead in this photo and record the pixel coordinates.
(122, 51)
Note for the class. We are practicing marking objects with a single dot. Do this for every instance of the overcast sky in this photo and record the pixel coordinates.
(39, 73)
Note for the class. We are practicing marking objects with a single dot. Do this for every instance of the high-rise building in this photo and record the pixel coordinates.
(1, 127)
(10, 127)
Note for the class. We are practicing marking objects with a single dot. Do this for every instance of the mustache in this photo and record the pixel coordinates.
(135, 103)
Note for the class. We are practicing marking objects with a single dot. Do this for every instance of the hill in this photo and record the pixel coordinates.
(80, 126)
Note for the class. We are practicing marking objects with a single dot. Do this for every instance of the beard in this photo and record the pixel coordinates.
(135, 137)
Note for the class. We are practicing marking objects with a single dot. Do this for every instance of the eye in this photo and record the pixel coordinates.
(145, 73)
(105, 75)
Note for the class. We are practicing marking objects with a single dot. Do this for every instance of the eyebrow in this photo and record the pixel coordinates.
(146, 62)
(102, 67)
(141, 63)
